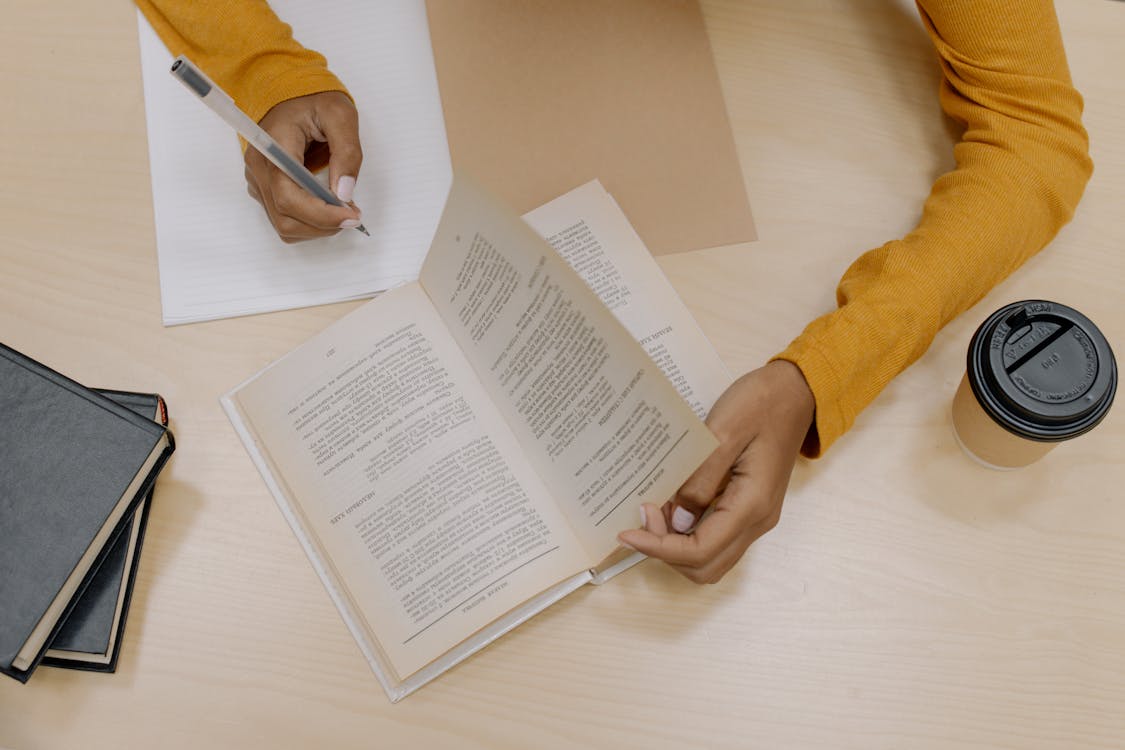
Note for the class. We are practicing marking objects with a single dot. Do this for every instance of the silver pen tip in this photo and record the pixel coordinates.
(363, 229)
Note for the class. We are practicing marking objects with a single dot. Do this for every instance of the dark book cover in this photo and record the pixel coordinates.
(73, 464)
(90, 638)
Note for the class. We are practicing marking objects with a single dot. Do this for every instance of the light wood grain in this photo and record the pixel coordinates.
(909, 598)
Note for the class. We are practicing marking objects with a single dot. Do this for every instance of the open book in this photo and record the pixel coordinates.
(461, 452)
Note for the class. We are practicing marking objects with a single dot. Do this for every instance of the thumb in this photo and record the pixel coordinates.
(701, 489)
(339, 122)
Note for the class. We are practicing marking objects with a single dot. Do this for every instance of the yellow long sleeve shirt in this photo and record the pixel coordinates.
(243, 47)
(1022, 165)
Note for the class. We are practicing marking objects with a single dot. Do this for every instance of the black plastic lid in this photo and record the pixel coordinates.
(1042, 370)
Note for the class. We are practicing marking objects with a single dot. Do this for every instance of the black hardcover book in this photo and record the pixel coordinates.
(90, 638)
(73, 465)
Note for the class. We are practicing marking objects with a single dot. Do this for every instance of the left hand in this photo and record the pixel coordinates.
(761, 422)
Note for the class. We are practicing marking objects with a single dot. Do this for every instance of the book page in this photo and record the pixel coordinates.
(596, 418)
(588, 229)
(218, 254)
(414, 486)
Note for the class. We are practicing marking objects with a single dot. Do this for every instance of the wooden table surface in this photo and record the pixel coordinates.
(909, 598)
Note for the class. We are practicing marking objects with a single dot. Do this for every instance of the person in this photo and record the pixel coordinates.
(1022, 164)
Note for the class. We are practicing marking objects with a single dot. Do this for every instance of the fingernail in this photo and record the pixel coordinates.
(345, 186)
(626, 545)
(644, 518)
(349, 223)
(682, 520)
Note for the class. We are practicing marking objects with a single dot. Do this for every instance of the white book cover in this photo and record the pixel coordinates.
(589, 231)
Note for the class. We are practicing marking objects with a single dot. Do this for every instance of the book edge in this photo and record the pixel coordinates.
(59, 658)
(149, 482)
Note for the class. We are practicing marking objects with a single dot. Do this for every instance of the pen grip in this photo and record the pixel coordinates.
(299, 174)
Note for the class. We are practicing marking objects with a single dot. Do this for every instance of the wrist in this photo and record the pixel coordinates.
(798, 402)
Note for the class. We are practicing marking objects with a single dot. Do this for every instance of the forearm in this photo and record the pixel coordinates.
(244, 47)
(1022, 164)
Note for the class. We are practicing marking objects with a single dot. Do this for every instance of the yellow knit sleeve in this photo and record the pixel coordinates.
(1022, 164)
(243, 47)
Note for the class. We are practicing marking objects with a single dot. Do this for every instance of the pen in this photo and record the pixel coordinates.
(222, 105)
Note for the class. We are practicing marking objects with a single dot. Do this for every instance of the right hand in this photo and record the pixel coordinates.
(314, 128)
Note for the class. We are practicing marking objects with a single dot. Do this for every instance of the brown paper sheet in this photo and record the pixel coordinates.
(541, 96)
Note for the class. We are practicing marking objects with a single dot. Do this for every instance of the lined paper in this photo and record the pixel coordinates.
(218, 254)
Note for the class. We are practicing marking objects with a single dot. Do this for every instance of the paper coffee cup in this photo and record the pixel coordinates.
(1037, 373)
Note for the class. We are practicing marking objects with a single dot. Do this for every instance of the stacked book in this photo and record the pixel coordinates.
(77, 468)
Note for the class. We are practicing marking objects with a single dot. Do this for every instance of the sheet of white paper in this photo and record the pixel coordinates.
(218, 255)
